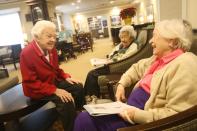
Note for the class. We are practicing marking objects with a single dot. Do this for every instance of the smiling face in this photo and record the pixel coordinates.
(47, 39)
(125, 39)
(161, 46)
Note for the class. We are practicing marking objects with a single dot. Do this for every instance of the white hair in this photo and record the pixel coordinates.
(129, 29)
(178, 30)
(40, 26)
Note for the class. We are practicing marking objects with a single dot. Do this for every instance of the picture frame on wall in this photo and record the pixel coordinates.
(37, 13)
(115, 21)
(38, 10)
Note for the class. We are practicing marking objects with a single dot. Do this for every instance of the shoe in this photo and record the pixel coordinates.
(94, 99)
(88, 99)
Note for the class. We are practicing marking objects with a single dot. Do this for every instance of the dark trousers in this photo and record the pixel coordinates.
(67, 111)
(91, 86)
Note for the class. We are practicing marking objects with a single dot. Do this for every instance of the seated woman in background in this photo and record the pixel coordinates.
(126, 48)
(65, 38)
(166, 82)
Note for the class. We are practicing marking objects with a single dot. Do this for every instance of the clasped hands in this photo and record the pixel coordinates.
(64, 95)
(127, 114)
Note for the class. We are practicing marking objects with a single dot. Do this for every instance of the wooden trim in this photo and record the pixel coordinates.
(166, 123)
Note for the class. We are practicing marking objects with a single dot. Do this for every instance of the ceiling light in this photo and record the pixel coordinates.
(111, 1)
(77, 7)
(72, 3)
(78, 1)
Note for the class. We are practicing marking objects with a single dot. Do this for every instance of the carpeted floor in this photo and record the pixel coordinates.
(78, 68)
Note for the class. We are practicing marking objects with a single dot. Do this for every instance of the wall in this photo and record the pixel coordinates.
(191, 12)
(68, 22)
(24, 9)
(81, 18)
(170, 9)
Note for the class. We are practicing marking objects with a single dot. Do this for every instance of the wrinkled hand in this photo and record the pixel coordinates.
(72, 81)
(128, 114)
(64, 95)
(120, 93)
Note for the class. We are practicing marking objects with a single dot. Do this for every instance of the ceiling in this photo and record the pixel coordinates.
(85, 5)
(7, 1)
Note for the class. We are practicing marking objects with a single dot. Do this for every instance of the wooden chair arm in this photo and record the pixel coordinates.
(189, 115)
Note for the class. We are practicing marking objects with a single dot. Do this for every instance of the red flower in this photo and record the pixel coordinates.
(128, 12)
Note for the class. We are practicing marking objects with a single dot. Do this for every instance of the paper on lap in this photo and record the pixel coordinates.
(106, 108)
(98, 61)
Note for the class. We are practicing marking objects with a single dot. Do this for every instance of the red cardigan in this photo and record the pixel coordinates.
(38, 75)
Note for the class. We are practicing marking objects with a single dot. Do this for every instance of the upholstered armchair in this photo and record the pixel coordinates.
(113, 71)
(85, 41)
(10, 55)
(6, 81)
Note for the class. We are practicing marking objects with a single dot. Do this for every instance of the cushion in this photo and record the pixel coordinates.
(8, 82)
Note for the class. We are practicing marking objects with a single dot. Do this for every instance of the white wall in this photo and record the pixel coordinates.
(24, 9)
(170, 9)
(191, 12)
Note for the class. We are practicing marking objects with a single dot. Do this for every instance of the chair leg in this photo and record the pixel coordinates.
(15, 66)
(2, 127)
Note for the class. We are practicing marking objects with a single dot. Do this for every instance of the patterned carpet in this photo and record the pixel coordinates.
(57, 126)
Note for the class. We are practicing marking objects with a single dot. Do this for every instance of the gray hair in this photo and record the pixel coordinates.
(40, 26)
(178, 30)
(129, 29)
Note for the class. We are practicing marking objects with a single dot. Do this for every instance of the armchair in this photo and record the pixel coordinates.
(183, 121)
(7, 81)
(12, 55)
(85, 40)
(113, 71)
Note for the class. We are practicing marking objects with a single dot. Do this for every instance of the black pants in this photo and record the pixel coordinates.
(91, 86)
(67, 111)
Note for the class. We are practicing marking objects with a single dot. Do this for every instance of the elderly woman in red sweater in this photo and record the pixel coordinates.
(42, 79)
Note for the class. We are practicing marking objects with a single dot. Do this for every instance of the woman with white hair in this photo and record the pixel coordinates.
(43, 80)
(166, 82)
(126, 48)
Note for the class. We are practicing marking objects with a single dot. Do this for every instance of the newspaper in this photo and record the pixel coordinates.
(99, 62)
(106, 108)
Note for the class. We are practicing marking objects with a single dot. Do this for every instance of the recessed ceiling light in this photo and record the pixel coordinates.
(112, 1)
(78, 1)
(72, 3)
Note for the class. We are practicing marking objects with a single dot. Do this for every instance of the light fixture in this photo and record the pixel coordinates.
(111, 1)
(115, 11)
(141, 19)
(78, 1)
(72, 3)
(77, 7)
(150, 18)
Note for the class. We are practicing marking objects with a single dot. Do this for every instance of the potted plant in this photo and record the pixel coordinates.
(127, 14)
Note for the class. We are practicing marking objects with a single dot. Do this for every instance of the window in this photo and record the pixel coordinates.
(10, 29)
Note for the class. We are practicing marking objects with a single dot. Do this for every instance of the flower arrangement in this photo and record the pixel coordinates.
(128, 12)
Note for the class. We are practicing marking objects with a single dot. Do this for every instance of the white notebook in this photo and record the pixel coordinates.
(98, 61)
(106, 108)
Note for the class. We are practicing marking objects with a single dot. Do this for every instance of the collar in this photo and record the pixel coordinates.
(38, 49)
(169, 57)
(127, 46)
